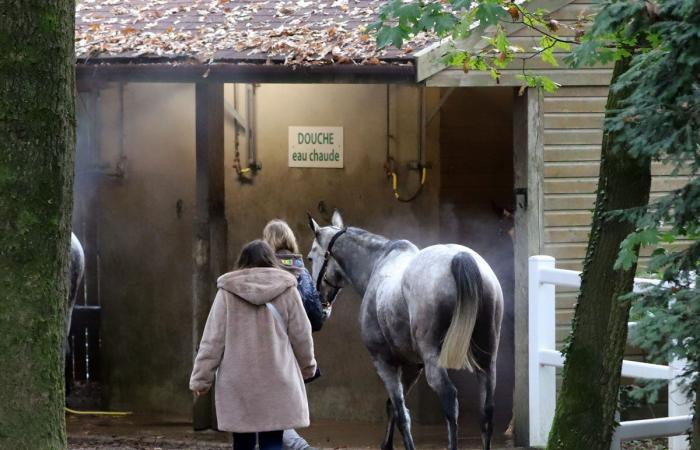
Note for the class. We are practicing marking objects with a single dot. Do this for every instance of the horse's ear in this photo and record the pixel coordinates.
(502, 212)
(312, 224)
(337, 219)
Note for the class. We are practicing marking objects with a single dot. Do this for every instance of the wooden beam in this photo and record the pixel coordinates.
(566, 77)
(528, 164)
(230, 72)
(209, 246)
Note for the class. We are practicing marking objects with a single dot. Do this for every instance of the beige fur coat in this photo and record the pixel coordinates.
(259, 365)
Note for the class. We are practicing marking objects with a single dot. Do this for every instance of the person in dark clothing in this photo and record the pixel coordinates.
(281, 238)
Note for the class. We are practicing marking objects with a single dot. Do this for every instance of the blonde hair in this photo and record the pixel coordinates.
(280, 236)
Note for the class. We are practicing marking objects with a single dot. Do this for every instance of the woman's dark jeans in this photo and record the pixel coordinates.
(267, 440)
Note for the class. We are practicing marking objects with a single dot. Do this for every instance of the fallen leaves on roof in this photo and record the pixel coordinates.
(285, 31)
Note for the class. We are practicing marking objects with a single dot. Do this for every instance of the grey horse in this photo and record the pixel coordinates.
(426, 310)
(76, 271)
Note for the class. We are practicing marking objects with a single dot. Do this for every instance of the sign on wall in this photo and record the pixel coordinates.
(316, 147)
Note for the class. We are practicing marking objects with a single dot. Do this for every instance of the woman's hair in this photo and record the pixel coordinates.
(256, 254)
(280, 237)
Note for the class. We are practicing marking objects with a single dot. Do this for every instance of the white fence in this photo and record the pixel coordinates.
(544, 359)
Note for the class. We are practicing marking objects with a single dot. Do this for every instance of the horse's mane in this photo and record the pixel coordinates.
(374, 241)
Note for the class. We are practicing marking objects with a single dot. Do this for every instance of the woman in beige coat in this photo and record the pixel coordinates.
(257, 342)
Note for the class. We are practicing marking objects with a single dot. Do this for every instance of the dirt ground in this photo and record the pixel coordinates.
(141, 432)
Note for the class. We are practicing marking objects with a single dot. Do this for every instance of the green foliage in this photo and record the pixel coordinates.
(661, 120)
(669, 329)
(399, 21)
(539, 81)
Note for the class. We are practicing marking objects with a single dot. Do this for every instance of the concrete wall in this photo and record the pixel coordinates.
(144, 244)
(144, 225)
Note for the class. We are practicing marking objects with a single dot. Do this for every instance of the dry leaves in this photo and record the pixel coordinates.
(288, 31)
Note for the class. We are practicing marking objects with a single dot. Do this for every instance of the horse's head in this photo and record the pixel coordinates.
(327, 273)
(506, 220)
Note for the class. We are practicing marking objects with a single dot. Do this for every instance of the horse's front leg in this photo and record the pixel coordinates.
(409, 376)
(391, 376)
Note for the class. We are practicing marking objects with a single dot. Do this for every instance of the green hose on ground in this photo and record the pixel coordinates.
(97, 413)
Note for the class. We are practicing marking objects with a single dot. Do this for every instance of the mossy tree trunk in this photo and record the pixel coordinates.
(695, 432)
(585, 413)
(36, 180)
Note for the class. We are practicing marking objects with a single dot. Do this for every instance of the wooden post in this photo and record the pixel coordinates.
(542, 379)
(209, 247)
(528, 164)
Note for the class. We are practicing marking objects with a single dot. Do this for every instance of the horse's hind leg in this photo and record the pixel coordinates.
(388, 443)
(440, 382)
(391, 375)
(409, 376)
(487, 386)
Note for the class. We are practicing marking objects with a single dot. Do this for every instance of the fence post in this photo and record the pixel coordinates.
(615, 444)
(542, 328)
(678, 403)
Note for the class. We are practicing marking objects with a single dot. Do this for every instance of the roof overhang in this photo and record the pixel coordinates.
(232, 72)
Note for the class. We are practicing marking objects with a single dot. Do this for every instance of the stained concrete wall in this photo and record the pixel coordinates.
(144, 243)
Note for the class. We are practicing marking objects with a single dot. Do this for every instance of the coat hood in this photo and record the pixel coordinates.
(258, 285)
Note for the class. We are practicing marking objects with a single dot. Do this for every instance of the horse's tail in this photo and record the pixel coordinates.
(456, 350)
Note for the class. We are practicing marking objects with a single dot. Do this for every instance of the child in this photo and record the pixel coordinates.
(257, 342)
(281, 238)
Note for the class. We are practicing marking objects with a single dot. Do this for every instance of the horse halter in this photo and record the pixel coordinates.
(326, 258)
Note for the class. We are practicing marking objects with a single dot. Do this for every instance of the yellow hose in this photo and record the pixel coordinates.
(98, 413)
(395, 184)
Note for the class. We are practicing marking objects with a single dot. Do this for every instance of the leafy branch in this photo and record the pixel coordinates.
(399, 21)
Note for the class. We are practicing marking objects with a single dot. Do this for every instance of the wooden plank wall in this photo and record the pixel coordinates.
(573, 119)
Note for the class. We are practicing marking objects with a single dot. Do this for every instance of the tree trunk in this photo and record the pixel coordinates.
(587, 403)
(36, 175)
(695, 432)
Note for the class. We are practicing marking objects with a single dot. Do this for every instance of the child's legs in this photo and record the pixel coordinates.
(244, 441)
(292, 441)
(270, 440)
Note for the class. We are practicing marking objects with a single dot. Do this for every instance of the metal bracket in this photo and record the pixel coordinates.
(520, 197)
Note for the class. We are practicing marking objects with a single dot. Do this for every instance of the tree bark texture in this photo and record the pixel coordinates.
(37, 141)
(695, 431)
(587, 403)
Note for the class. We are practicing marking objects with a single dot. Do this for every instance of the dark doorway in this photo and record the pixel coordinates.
(476, 167)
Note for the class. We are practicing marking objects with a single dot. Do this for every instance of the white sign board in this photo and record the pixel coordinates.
(316, 147)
